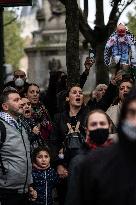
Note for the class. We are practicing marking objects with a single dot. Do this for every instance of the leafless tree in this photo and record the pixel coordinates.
(97, 37)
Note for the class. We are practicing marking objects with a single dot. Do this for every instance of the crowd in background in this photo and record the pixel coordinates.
(81, 153)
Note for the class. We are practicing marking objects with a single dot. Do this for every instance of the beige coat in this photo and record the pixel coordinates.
(114, 112)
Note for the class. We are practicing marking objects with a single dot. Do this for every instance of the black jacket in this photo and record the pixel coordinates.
(60, 125)
(105, 101)
(19, 89)
(61, 129)
(105, 176)
(44, 181)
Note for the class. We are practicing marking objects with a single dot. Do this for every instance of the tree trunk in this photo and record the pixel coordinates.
(99, 13)
(100, 39)
(102, 74)
(86, 9)
(72, 44)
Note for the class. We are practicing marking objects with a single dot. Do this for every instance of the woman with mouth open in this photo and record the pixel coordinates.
(67, 124)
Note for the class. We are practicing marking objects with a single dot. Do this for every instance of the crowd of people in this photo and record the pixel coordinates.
(55, 149)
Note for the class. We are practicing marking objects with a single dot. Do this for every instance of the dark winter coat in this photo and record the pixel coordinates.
(105, 101)
(44, 181)
(20, 89)
(35, 139)
(41, 116)
(106, 176)
(61, 128)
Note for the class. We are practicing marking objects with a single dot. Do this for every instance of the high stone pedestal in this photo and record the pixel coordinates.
(48, 49)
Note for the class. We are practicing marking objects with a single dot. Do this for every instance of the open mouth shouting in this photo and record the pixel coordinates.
(27, 113)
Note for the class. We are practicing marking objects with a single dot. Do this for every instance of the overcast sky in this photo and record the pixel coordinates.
(107, 9)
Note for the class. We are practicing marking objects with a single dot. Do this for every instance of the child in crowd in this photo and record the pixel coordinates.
(44, 177)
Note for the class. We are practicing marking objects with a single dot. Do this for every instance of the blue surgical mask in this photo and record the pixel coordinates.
(129, 130)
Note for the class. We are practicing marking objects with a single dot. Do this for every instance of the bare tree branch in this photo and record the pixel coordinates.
(86, 9)
(99, 13)
(84, 27)
(126, 5)
(113, 13)
(12, 20)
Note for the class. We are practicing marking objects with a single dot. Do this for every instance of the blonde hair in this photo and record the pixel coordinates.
(99, 86)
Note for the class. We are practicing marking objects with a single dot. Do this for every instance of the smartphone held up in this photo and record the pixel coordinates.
(92, 55)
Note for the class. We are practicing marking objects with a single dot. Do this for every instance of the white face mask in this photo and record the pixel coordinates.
(129, 130)
(61, 156)
(19, 82)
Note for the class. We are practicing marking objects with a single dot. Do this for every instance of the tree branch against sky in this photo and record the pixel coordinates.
(98, 35)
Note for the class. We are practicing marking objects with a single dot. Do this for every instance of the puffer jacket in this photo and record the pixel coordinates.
(15, 153)
(44, 182)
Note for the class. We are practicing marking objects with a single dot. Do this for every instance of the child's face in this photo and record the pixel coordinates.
(43, 159)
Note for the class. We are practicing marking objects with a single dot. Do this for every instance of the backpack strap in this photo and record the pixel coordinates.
(2, 140)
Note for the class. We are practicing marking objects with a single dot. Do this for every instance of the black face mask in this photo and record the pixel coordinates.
(99, 136)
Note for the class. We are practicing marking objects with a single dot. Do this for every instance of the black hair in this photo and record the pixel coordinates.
(4, 96)
(70, 87)
(67, 94)
(27, 87)
(39, 149)
(125, 79)
(128, 145)
(129, 98)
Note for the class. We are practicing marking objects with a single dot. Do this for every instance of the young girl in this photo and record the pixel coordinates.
(44, 177)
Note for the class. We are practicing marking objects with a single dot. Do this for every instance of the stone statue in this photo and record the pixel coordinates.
(54, 65)
(57, 8)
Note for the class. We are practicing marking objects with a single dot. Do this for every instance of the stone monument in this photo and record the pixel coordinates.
(48, 49)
